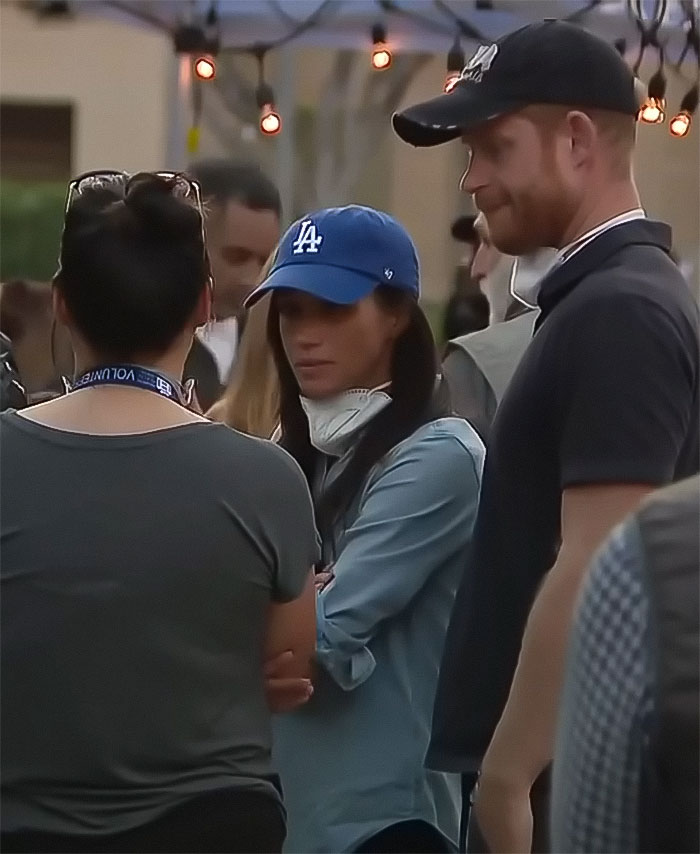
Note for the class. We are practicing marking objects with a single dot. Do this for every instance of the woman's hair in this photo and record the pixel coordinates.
(132, 265)
(415, 401)
(251, 402)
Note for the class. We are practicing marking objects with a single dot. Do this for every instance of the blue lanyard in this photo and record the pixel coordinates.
(135, 376)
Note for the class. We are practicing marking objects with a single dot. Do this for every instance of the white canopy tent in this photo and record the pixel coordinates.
(427, 26)
(423, 25)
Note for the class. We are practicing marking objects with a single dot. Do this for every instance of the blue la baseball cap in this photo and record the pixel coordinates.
(341, 255)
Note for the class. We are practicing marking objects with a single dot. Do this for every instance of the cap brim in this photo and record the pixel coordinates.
(324, 281)
(448, 116)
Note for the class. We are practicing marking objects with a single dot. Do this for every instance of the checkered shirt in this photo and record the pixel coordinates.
(606, 706)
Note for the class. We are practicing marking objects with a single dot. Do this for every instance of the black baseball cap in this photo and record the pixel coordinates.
(551, 62)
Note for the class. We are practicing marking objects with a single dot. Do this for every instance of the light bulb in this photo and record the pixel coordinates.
(270, 121)
(205, 68)
(652, 111)
(680, 124)
(381, 57)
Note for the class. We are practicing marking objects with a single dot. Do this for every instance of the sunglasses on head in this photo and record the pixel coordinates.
(182, 186)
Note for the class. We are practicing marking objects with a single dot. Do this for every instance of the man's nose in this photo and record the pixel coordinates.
(474, 177)
(469, 182)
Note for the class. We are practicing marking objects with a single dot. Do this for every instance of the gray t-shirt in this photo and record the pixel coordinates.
(137, 572)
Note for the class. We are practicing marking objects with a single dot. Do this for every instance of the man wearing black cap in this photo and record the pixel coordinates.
(602, 408)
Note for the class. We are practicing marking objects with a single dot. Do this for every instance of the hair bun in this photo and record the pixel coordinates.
(153, 200)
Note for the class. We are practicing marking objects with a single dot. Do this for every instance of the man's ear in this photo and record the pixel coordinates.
(583, 136)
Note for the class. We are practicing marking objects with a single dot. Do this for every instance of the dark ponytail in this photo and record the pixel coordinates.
(416, 400)
(132, 265)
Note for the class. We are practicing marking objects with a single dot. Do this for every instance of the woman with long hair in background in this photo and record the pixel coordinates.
(251, 400)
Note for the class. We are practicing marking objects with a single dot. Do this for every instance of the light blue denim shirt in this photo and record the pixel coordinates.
(352, 759)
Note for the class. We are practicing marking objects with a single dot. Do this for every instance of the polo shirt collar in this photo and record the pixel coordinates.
(575, 246)
(562, 278)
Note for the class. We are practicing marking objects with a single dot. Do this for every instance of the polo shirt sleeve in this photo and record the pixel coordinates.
(625, 393)
(414, 516)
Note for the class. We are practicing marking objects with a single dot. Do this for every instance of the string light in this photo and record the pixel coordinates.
(680, 123)
(205, 67)
(270, 120)
(204, 43)
(653, 110)
(455, 64)
(381, 55)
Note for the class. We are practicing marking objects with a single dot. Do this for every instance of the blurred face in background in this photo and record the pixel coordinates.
(486, 257)
(41, 347)
(491, 271)
(239, 241)
(333, 348)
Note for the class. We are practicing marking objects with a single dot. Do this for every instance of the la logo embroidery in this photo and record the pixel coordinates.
(479, 63)
(308, 239)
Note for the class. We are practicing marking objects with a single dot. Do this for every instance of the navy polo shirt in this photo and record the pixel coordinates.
(607, 392)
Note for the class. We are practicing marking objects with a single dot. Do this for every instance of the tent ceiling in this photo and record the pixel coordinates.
(411, 24)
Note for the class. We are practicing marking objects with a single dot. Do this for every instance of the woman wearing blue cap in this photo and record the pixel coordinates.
(395, 482)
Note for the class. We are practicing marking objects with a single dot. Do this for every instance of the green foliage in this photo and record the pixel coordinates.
(31, 217)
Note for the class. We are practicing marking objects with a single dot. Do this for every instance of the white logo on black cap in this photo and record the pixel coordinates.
(308, 239)
(479, 63)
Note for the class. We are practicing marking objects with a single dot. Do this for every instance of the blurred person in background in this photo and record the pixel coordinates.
(395, 482)
(626, 770)
(158, 568)
(251, 400)
(478, 366)
(467, 309)
(12, 392)
(243, 211)
(40, 346)
(601, 410)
